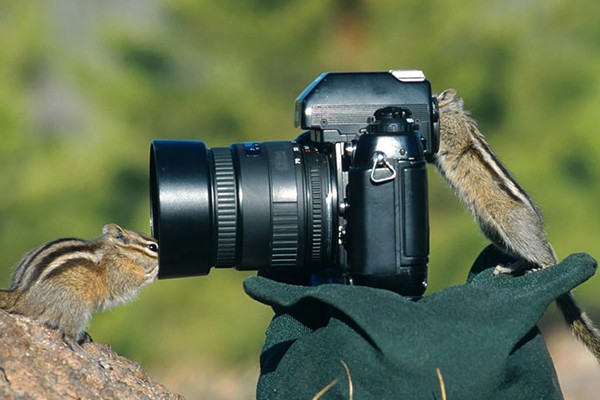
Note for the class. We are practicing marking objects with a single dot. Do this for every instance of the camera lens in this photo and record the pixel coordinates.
(253, 206)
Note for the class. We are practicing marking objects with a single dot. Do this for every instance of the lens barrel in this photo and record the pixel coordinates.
(253, 206)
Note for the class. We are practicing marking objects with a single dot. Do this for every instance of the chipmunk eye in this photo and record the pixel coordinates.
(153, 247)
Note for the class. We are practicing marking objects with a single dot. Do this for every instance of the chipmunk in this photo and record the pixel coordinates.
(506, 214)
(61, 283)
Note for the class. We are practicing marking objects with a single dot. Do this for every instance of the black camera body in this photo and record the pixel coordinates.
(345, 202)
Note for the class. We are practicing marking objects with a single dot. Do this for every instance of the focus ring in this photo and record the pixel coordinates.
(225, 207)
(316, 228)
(285, 234)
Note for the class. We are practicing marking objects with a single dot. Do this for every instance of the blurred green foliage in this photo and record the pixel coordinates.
(85, 87)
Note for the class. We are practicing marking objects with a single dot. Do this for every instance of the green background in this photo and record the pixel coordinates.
(85, 87)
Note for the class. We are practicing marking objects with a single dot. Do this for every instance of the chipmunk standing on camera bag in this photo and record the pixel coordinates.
(506, 213)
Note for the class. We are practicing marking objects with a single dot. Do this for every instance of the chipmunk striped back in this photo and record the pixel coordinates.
(42, 261)
(506, 213)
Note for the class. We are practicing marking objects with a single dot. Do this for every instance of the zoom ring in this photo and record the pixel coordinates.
(225, 207)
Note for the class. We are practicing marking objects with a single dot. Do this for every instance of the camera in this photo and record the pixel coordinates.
(344, 202)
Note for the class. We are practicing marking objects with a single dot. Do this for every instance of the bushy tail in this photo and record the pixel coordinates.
(8, 299)
(581, 325)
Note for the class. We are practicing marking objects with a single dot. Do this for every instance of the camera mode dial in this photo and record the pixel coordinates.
(390, 120)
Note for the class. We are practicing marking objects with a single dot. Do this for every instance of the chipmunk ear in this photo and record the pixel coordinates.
(447, 95)
(115, 232)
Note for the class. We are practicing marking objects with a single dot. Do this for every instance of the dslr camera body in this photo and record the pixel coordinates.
(344, 202)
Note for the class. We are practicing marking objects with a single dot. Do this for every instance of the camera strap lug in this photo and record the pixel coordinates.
(380, 160)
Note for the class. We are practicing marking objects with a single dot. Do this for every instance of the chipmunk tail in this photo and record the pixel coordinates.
(8, 299)
(580, 324)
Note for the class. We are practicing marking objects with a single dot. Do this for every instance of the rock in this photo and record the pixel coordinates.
(35, 363)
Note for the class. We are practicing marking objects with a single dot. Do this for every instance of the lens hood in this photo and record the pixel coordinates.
(180, 206)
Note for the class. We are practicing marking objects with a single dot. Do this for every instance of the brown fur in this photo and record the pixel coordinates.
(63, 282)
(505, 212)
